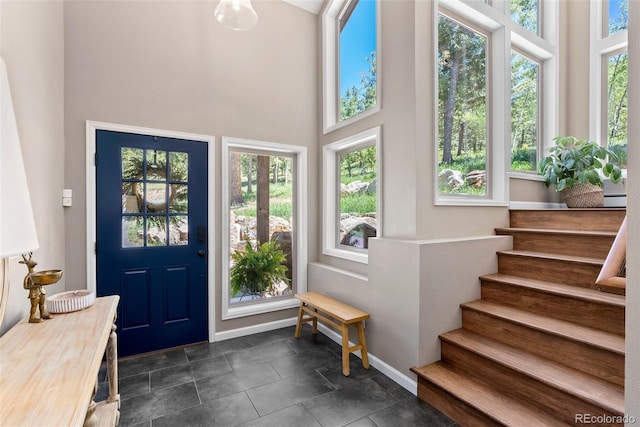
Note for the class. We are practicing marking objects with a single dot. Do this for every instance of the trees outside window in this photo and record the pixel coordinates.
(352, 181)
(524, 112)
(350, 61)
(462, 105)
(609, 67)
(263, 226)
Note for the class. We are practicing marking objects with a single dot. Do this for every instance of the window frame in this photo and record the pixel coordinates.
(602, 47)
(331, 14)
(505, 35)
(331, 192)
(299, 154)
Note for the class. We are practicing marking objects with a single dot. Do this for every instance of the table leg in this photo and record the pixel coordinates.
(112, 366)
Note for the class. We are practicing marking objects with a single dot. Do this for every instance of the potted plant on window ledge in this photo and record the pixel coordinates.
(257, 271)
(576, 168)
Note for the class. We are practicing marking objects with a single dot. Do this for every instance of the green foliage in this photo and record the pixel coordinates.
(256, 271)
(360, 162)
(525, 13)
(573, 161)
(358, 99)
(281, 209)
(617, 101)
(360, 203)
(523, 158)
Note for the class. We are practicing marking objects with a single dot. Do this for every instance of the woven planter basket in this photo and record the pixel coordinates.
(583, 196)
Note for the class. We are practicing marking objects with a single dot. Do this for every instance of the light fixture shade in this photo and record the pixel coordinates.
(17, 227)
(236, 14)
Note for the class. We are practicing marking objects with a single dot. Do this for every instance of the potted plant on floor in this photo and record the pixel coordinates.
(257, 271)
(577, 167)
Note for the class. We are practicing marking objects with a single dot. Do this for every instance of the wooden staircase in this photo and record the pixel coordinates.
(543, 345)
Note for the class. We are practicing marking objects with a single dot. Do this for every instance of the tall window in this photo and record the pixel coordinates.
(352, 195)
(262, 230)
(524, 112)
(350, 60)
(609, 67)
(493, 102)
(463, 108)
(357, 58)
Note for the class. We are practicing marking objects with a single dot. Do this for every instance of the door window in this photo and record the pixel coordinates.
(155, 197)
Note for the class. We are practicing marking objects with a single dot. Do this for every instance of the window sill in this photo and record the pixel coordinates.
(450, 201)
(260, 308)
(360, 257)
(353, 119)
(530, 176)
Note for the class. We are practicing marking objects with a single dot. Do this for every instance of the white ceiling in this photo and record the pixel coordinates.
(312, 6)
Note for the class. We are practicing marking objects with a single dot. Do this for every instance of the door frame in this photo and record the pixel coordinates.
(91, 129)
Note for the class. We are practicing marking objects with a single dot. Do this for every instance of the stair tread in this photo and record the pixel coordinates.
(562, 257)
(589, 388)
(554, 231)
(498, 406)
(577, 292)
(605, 340)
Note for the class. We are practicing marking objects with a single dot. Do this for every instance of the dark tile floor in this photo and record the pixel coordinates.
(267, 379)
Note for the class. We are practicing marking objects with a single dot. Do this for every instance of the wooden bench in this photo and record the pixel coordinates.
(338, 315)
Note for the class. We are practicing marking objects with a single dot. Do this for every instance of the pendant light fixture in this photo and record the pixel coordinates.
(236, 14)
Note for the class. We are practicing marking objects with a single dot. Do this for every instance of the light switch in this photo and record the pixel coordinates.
(67, 197)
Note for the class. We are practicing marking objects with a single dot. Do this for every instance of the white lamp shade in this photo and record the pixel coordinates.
(17, 227)
(236, 14)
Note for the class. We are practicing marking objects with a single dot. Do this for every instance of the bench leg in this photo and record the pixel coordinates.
(363, 344)
(314, 327)
(299, 325)
(345, 350)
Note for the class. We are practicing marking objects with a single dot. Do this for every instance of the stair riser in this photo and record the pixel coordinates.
(558, 403)
(569, 244)
(551, 270)
(581, 356)
(605, 317)
(568, 219)
(451, 406)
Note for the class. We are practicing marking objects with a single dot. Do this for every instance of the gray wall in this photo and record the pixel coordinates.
(32, 45)
(170, 65)
(632, 371)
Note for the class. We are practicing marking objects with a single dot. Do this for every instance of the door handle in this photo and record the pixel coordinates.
(202, 253)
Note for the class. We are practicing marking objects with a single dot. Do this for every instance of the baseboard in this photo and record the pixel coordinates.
(254, 329)
(401, 379)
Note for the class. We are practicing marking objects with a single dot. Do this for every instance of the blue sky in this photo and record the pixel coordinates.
(357, 41)
(614, 9)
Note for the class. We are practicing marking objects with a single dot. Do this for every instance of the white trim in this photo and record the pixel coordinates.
(91, 128)
(330, 70)
(254, 329)
(300, 221)
(536, 205)
(530, 176)
(367, 138)
(398, 377)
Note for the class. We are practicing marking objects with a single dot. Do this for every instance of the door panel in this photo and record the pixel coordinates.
(151, 216)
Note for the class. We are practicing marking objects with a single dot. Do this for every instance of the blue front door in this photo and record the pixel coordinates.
(151, 216)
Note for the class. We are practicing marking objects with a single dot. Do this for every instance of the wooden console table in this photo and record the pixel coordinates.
(49, 370)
